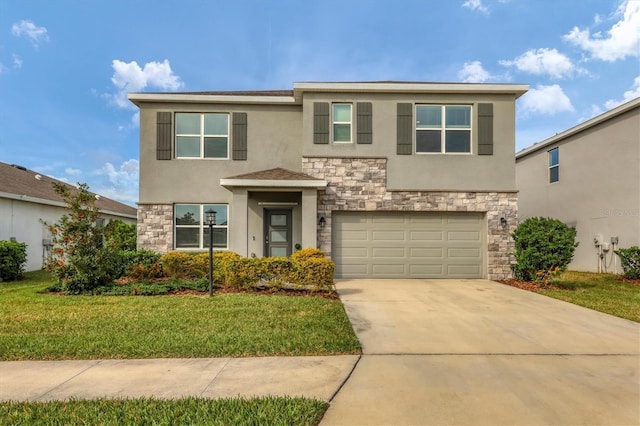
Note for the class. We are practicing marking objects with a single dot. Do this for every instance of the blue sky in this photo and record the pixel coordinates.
(66, 66)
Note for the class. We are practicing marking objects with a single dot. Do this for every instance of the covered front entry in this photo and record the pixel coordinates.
(409, 244)
(272, 212)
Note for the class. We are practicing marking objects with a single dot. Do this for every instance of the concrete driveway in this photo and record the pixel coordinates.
(476, 352)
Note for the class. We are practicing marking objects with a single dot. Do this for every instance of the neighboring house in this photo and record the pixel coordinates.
(390, 179)
(588, 177)
(27, 198)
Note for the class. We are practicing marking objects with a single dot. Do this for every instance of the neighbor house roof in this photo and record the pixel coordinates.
(295, 96)
(19, 183)
(612, 113)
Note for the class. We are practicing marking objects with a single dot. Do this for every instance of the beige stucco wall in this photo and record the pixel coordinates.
(273, 135)
(599, 187)
(455, 172)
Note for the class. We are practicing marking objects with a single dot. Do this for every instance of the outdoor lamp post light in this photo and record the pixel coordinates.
(210, 220)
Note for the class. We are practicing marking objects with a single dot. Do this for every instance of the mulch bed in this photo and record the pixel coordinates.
(262, 292)
(529, 286)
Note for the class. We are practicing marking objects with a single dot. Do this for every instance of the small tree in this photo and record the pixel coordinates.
(79, 259)
(544, 248)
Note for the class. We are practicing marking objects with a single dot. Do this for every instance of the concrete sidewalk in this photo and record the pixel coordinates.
(317, 377)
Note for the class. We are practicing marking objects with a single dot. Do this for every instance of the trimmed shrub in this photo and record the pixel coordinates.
(315, 273)
(630, 261)
(13, 257)
(544, 247)
(308, 253)
(195, 265)
(140, 264)
(244, 272)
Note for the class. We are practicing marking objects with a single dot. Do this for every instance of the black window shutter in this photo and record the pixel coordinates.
(364, 123)
(321, 122)
(239, 145)
(485, 129)
(405, 129)
(164, 136)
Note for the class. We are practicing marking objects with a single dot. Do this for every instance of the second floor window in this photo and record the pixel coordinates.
(443, 129)
(554, 165)
(202, 135)
(341, 115)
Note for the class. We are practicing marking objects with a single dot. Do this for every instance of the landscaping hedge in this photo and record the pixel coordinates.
(13, 257)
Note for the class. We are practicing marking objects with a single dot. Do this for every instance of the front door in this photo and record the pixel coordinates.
(277, 230)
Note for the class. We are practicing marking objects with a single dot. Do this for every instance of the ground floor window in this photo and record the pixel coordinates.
(192, 233)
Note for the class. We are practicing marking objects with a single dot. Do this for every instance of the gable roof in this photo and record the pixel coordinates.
(276, 178)
(18, 183)
(608, 115)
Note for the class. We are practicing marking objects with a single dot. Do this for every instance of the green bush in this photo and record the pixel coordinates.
(121, 235)
(195, 265)
(544, 247)
(140, 264)
(630, 260)
(13, 256)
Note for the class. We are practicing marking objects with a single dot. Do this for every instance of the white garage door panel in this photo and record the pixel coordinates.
(408, 244)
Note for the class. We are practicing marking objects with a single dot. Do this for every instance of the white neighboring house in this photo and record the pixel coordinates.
(27, 198)
(588, 177)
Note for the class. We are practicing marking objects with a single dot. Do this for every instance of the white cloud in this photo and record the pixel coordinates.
(130, 77)
(121, 183)
(31, 31)
(472, 72)
(630, 94)
(73, 172)
(17, 61)
(622, 40)
(476, 5)
(546, 100)
(543, 61)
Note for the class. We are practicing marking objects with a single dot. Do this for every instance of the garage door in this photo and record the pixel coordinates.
(408, 244)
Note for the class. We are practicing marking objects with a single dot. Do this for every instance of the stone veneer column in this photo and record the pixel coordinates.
(155, 227)
(359, 184)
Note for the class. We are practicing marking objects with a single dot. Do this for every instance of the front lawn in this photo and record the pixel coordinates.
(41, 326)
(606, 293)
(235, 411)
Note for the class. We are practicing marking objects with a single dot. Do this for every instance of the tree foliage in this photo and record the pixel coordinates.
(80, 259)
(544, 247)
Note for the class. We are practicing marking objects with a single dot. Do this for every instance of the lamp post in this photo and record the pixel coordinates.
(210, 220)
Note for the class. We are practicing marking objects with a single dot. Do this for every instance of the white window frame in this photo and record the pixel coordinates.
(334, 122)
(443, 129)
(201, 226)
(554, 166)
(202, 136)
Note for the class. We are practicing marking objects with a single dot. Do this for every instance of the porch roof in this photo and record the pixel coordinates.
(275, 178)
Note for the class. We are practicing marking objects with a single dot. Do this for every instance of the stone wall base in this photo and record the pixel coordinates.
(155, 227)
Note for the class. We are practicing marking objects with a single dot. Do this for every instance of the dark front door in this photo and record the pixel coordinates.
(277, 230)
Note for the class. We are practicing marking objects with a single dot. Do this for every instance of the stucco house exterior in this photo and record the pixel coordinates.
(27, 198)
(588, 177)
(390, 179)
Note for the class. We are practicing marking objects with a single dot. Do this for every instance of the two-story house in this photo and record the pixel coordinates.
(390, 179)
(588, 177)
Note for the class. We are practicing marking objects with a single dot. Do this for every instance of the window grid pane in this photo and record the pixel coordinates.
(341, 122)
(451, 126)
(202, 135)
(192, 233)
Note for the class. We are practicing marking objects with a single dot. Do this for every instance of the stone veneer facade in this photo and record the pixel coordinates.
(155, 227)
(359, 184)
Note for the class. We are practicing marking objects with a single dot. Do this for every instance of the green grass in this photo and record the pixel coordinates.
(602, 292)
(188, 411)
(41, 326)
